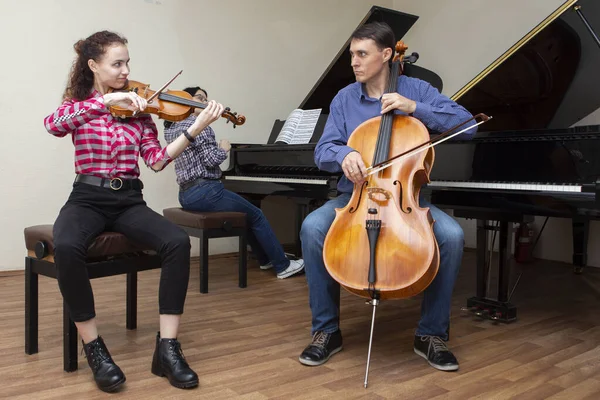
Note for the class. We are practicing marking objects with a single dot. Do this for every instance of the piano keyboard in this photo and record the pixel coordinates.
(533, 186)
(308, 181)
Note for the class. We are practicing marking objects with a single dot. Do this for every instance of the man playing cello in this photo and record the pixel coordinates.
(371, 50)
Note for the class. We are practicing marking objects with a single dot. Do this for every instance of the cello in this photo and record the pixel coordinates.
(381, 245)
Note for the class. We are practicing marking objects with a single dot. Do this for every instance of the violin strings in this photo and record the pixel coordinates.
(181, 100)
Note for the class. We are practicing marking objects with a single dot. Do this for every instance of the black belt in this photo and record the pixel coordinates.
(114, 183)
(185, 186)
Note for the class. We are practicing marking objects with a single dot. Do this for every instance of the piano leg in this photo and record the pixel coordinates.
(482, 256)
(301, 213)
(482, 305)
(503, 262)
(581, 228)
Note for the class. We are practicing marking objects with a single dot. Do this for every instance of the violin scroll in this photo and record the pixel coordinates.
(233, 117)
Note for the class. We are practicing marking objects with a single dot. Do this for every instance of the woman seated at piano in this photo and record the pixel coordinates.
(200, 188)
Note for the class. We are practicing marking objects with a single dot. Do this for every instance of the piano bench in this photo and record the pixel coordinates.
(207, 225)
(109, 254)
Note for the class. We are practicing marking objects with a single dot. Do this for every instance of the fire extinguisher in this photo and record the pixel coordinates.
(524, 243)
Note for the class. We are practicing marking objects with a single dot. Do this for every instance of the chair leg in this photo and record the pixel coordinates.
(31, 308)
(69, 342)
(243, 276)
(131, 300)
(203, 263)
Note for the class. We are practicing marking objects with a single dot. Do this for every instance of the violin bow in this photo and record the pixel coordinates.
(424, 146)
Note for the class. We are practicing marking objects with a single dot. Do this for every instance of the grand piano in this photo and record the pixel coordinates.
(534, 158)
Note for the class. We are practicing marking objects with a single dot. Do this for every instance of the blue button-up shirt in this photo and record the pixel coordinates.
(352, 106)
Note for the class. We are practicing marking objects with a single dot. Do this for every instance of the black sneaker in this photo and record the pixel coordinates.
(435, 351)
(323, 346)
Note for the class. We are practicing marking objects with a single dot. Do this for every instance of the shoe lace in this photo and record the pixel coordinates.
(320, 339)
(175, 347)
(97, 353)
(436, 343)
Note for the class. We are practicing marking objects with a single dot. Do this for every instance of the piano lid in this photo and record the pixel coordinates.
(339, 72)
(548, 79)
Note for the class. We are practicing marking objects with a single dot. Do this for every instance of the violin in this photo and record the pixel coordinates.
(170, 105)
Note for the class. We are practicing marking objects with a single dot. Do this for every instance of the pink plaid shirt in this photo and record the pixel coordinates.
(105, 146)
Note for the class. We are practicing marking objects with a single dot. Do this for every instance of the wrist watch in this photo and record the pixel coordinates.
(188, 136)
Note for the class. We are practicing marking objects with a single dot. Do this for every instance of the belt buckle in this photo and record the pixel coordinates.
(119, 181)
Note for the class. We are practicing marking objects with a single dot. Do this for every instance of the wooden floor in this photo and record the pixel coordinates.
(244, 343)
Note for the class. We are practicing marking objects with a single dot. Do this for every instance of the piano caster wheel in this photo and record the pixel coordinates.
(577, 270)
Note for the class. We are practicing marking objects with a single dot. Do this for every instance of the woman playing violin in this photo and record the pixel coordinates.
(107, 195)
(198, 175)
(371, 50)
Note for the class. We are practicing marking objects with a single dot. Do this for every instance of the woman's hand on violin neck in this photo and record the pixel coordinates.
(354, 167)
(210, 114)
(395, 101)
(128, 100)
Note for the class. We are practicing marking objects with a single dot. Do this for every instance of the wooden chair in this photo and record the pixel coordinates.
(207, 225)
(110, 254)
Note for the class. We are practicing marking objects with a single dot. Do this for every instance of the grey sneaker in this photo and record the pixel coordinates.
(295, 267)
(267, 266)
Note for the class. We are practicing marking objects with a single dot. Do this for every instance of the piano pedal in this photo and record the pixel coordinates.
(491, 309)
(469, 309)
(482, 313)
(496, 316)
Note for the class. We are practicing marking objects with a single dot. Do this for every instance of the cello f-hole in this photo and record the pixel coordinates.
(355, 207)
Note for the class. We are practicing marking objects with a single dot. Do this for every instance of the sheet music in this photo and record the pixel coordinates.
(299, 126)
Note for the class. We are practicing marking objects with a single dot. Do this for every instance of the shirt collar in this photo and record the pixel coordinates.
(362, 93)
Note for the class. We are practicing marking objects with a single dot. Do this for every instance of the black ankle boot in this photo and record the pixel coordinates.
(169, 361)
(107, 374)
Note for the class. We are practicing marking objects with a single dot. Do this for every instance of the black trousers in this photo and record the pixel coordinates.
(89, 211)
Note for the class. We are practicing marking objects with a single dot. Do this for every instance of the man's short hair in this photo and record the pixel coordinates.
(380, 32)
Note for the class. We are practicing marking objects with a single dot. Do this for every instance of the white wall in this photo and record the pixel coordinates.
(458, 39)
(259, 57)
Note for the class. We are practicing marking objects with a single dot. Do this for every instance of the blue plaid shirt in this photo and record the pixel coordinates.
(201, 159)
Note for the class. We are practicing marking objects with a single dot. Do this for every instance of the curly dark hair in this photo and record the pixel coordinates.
(81, 78)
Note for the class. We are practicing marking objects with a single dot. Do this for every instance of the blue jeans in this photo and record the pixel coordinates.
(211, 196)
(324, 291)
